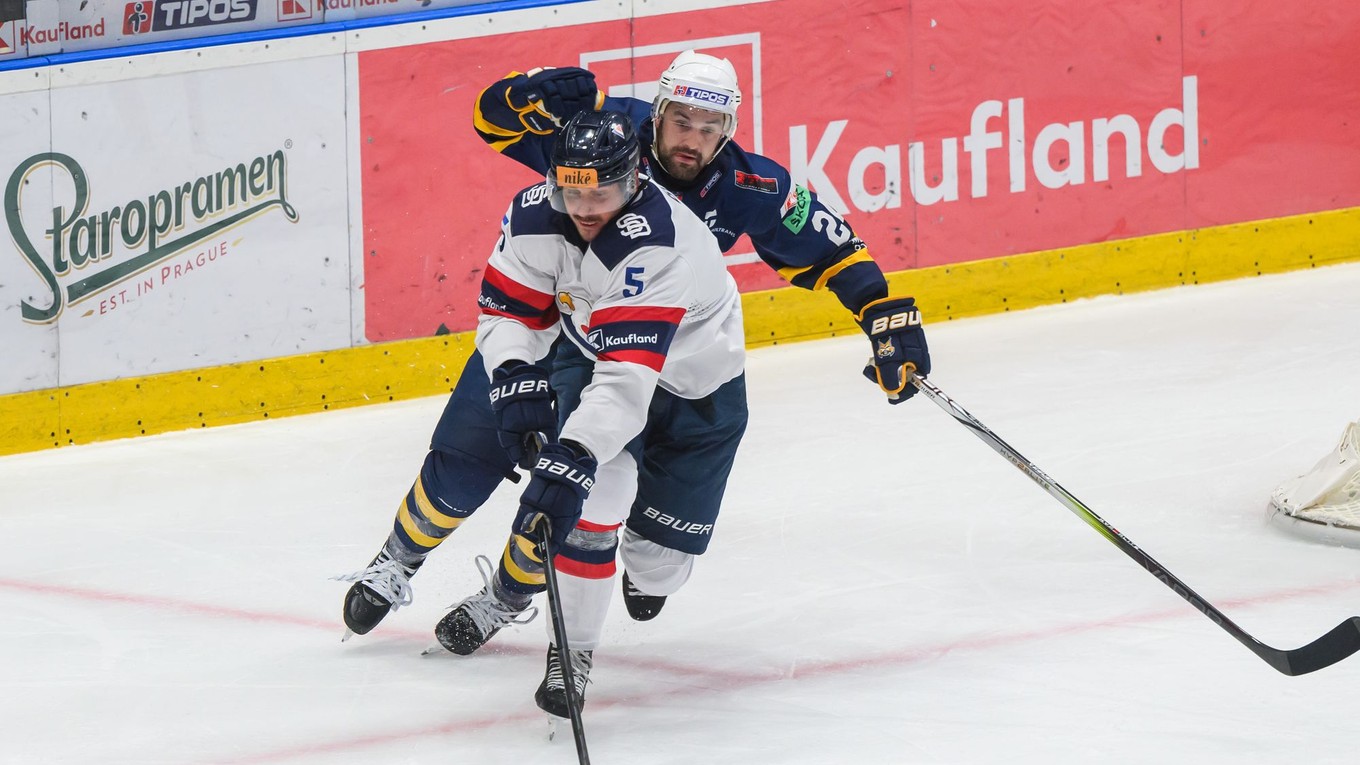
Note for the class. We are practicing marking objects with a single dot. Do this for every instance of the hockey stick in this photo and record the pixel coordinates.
(559, 625)
(578, 730)
(1327, 650)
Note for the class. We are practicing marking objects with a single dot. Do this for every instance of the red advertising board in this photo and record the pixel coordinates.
(946, 130)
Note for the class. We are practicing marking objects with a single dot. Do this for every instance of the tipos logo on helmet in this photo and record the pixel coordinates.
(700, 94)
(578, 177)
(704, 82)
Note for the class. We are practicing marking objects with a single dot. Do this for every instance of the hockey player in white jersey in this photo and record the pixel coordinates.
(654, 366)
(687, 147)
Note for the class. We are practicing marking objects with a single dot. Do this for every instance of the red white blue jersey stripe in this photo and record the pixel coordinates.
(649, 298)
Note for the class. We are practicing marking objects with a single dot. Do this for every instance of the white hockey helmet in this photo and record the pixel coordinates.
(702, 81)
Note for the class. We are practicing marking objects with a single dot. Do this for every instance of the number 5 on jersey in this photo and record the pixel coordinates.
(632, 278)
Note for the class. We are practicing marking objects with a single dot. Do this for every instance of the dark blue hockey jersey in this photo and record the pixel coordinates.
(738, 193)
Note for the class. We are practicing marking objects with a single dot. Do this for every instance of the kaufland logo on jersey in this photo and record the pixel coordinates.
(699, 94)
(142, 16)
(603, 343)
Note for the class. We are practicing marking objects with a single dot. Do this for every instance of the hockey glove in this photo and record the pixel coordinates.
(894, 329)
(563, 476)
(523, 403)
(547, 98)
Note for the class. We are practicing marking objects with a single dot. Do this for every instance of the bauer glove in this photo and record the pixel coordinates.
(562, 478)
(523, 403)
(546, 98)
(894, 329)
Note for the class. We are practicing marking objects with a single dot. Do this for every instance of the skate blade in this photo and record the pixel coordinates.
(349, 633)
(552, 726)
(437, 648)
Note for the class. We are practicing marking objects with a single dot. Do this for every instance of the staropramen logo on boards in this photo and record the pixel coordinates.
(79, 254)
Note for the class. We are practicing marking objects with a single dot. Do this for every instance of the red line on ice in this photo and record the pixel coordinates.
(722, 681)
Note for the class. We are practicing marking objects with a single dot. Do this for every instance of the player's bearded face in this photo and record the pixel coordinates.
(591, 208)
(687, 138)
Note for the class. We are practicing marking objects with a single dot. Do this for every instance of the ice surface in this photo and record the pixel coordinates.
(883, 588)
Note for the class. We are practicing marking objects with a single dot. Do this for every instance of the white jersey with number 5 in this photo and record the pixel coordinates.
(649, 299)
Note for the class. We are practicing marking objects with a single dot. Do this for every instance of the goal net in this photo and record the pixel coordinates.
(1324, 503)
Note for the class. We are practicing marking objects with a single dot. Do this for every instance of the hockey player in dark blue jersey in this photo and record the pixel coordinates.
(687, 147)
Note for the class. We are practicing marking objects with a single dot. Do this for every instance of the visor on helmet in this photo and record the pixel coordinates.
(578, 191)
(594, 164)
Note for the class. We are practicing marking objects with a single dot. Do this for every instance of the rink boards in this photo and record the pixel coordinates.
(174, 259)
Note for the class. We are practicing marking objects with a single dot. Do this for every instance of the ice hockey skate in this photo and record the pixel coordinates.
(551, 695)
(478, 618)
(382, 587)
(641, 606)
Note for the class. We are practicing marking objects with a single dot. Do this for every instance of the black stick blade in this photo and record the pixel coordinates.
(1341, 642)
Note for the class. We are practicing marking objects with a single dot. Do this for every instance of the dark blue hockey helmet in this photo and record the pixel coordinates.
(594, 152)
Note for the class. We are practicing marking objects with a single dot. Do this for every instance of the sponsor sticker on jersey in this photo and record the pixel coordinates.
(795, 212)
(635, 334)
(604, 343)
(708, 186)
(757, 182)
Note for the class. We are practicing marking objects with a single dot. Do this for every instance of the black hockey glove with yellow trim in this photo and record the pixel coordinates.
(894, 329)
(547, 98)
